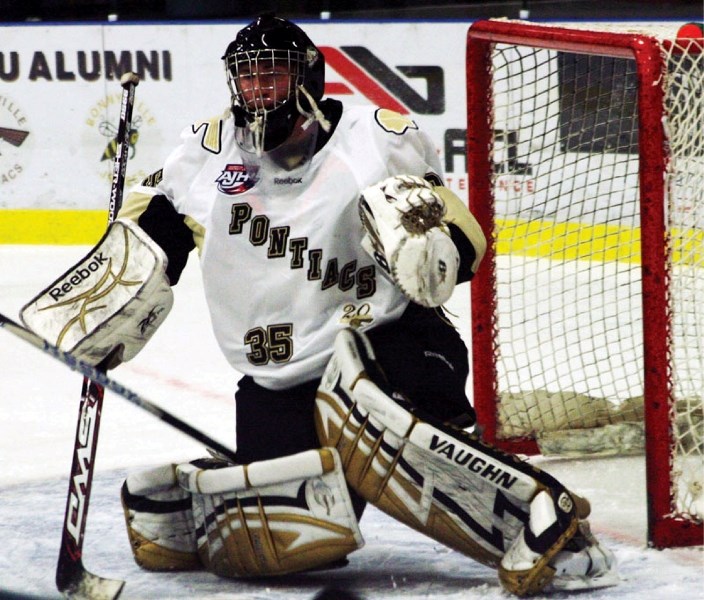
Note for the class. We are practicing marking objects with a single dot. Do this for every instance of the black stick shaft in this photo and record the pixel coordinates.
(70, 573)
(129, 82)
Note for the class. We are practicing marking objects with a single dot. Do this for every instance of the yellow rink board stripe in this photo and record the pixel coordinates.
(568, 240)
(559, 241)
(52, 227)
(600, 242)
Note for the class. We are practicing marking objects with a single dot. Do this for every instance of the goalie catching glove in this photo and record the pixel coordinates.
(405, 234)
(110, 303)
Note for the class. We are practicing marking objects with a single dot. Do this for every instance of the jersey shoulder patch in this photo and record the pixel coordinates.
(154, 179)
(210, 131)
(394, 122)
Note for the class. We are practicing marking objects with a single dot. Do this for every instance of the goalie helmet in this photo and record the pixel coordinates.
(275, 73)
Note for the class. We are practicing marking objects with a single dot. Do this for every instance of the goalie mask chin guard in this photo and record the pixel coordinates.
(294, 153)
(275, 74)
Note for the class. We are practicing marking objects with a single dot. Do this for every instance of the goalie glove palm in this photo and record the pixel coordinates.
(405, 234)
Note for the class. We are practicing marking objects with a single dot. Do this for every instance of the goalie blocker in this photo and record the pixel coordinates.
(452, 487)
(110, 303)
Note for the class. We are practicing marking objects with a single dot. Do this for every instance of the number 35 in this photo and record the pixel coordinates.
(271, 344)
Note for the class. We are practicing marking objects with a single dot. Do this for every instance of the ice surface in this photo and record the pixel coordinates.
(183, 371)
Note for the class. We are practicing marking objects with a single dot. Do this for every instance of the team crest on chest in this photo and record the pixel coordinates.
(234, 180)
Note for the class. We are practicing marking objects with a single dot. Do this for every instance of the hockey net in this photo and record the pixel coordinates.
(586, 171)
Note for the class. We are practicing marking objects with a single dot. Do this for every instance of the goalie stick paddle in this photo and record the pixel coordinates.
(72, 579)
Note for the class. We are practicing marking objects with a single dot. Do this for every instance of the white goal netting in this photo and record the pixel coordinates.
(570, 322)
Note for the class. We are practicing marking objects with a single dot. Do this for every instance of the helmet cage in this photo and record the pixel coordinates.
(255, 79)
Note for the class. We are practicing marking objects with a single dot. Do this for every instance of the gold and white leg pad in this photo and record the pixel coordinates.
(437, 479)
(159, 520)
(272, 517)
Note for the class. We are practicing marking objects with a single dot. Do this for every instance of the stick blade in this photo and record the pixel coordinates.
(84, 585)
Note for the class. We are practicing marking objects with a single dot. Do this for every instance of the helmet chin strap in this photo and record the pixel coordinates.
(315, 113)
(257, 126)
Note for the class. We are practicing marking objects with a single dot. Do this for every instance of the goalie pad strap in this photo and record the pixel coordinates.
(159, 520)
(115, 297)
(257, 474)
(289, 524)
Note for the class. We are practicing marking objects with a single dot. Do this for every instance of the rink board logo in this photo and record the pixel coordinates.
(109, 130)
(381, 85)
(14, 131)
(100, 142)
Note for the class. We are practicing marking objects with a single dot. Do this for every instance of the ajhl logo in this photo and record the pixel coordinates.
(234, 180)
(381, 85)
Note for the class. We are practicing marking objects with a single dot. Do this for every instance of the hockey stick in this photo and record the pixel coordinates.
(72, 579)
(98, 377)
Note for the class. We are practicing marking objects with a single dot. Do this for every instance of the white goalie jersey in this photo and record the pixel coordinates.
(281, 250)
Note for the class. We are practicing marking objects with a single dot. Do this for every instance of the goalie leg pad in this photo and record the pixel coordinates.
(117, 296)
(159, 521)
(437, 479)
(272, 517)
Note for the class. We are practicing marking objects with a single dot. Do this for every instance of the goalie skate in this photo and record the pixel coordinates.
(575, 561)
(583, 564)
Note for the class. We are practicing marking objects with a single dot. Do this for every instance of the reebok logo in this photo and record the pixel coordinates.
(287, 180)
(148, 322)
(78, 276)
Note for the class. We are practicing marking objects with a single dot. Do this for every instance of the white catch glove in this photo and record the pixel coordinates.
(405, 234)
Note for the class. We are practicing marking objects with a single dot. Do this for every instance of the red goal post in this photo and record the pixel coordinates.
(585, 160)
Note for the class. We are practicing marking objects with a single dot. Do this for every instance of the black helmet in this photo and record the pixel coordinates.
(266, 46)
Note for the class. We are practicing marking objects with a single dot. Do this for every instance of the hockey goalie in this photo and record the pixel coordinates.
(327, 244)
